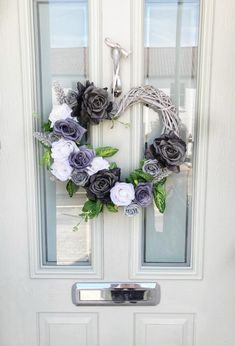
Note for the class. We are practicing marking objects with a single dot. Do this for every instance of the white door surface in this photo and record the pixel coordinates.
(187, 49)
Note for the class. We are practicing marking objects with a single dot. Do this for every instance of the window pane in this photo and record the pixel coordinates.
(171, 51)
(62, 35)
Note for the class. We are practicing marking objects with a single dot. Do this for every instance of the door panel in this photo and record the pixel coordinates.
(36, 307)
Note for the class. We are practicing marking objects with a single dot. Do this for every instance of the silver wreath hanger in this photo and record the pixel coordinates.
(154, 98)
(117, 52)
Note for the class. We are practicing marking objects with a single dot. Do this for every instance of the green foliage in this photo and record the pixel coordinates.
(47, 126)
(159, 195)
(142, 163)
(91, 209)
(113, 165)
(111, 207)
(71, 188)
(106, 151)
(46, 159)
(138, 176)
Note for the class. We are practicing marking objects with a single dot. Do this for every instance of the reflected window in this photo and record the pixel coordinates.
(171, 53)
(61, 29)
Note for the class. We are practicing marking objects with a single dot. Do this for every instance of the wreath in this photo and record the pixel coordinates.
(80, 165)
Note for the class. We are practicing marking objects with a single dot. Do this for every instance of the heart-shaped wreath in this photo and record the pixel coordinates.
(80, 165)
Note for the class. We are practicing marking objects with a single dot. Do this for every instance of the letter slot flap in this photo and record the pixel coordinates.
(144, 293)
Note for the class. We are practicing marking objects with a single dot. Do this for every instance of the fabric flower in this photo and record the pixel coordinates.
(97, 164)
(143, 194)
(155, 169)
(132, 209)
(69, 129)
(80, 178)
(122, 194)
(101, 183)
(60, 112)
(71, 98)
(151, 167)
(170, 150)
(82, 158)
(61, 149)
(77, 109)
(61, 170)
(96, 104)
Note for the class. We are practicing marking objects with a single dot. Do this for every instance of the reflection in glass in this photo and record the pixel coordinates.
(61, 36)
(171, 51)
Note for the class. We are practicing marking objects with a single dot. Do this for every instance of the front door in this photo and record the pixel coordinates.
(185, 48)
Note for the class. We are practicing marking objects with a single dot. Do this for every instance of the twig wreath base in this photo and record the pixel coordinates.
(79, 165)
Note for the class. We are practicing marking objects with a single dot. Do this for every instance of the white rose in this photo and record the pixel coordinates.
(97, 164)
(61, 149)
(122, 194)
(60, 112)
(61, 170)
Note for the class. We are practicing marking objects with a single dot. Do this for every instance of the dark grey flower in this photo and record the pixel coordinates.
(101, 184)
(170, 150)
(83, 120)
(82, 158)
(69, 129)
(96, 104)
(132, 209)
(143, 194)
(80, 178)
(71, 98)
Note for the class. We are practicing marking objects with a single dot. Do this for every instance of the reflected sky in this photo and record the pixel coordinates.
(161, 23)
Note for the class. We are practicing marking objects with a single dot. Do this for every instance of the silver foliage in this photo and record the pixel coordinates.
(46, 139)
(59, 92)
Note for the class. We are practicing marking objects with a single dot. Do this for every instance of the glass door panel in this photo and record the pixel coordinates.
(171, 53)
(62, 55)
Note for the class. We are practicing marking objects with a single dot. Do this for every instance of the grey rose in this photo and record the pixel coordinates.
(101, 184)
(71, 98)
(80, 178)
(151, 167)
(143, 194)
(155, 169)
(82, 158)
(132, 209)
(170, 150)
(69, 129)
(96, 104)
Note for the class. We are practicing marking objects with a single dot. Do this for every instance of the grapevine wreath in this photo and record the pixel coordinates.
(78, 164)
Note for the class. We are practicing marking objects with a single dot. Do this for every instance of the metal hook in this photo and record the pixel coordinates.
(116, 53)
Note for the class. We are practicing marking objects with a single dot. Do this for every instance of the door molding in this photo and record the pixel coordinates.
(136, 269)
(29, 90)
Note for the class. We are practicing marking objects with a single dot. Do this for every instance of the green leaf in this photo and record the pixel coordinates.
(162, 182)
(47, 127)
(159, 195)
(106, 151)
(89, 205)
(112, 165)
(143, 175)
(71, 188)
(111, 207)
(141, 163)
(46, 159)
(91, 209)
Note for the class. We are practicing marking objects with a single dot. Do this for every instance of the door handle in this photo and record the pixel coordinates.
(144, 293)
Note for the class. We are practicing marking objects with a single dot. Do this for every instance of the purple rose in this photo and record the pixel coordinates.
(101, 183)
(170, 150)
(143, 194)
(82, 158)
(69, 129)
